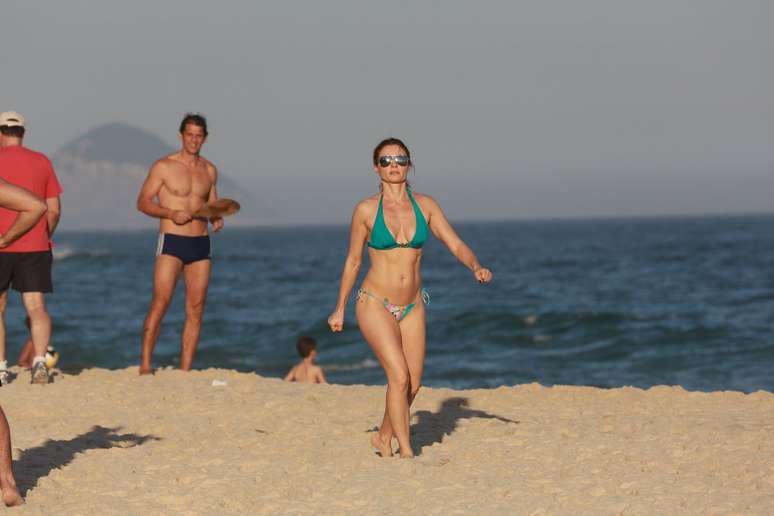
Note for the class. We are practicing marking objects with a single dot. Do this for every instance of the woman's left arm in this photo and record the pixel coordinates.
(444, 232)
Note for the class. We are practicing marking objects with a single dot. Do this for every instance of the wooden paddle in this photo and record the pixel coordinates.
(220, 208)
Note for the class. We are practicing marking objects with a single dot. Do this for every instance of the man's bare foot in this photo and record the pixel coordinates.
(11, 497)
(384, 448)
(409, 455)
(147, 370)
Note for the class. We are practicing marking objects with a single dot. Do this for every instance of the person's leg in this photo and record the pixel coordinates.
(40, 330)
(165, 276)
(11, 494)
(197, 278)
(4, 376)
(27, 351)
(412, 329)
(32, 277)
(25, 355)
(3, 305)
(40, 322)
(7, 267)
(383, 335)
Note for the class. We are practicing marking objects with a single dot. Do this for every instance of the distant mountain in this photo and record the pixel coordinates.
(102, 172)
(118, 143)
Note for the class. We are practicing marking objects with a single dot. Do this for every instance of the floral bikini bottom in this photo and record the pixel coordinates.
(397, 311)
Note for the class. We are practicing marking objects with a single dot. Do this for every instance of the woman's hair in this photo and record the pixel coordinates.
(392, 141)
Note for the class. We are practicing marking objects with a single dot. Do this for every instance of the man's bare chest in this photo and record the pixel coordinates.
(187, 182)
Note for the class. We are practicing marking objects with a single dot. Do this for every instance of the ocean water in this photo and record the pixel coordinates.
(677, 301)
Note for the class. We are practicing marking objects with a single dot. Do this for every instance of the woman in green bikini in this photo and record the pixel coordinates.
(390, 303)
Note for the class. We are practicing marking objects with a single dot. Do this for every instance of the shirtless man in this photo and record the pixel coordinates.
(306, 371)
(182, 182)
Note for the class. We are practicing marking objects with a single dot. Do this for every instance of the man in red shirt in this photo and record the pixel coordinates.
(25, 265)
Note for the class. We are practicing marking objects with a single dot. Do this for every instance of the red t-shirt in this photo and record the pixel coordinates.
(31, 170)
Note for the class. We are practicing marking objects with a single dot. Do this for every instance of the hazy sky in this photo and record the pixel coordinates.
(512, 109)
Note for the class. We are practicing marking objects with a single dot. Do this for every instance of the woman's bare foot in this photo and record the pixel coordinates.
(11, 497)
(147, 370)
(384, 448)
(409, 455)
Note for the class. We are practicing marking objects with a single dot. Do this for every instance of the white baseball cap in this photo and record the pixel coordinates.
(11, 119)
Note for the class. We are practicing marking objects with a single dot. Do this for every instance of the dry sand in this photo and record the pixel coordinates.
(110, 442)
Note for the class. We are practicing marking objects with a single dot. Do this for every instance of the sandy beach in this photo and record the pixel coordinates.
(109, 442)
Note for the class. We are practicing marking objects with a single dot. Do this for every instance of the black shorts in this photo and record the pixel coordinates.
(186, 249)
(26, 272)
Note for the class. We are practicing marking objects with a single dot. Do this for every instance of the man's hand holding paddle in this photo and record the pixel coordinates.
(216, 210)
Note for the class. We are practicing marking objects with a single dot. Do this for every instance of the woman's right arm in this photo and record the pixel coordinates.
(357, 237)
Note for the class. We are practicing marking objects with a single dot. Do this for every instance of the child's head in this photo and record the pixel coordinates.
(306, 346)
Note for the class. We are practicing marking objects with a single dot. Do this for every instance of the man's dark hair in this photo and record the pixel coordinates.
(194, 119)
(15, 131)
(305, 345)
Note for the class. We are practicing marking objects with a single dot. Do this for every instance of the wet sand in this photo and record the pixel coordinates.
(108, 442)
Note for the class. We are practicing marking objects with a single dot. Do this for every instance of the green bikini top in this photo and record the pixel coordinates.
(382, 239)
